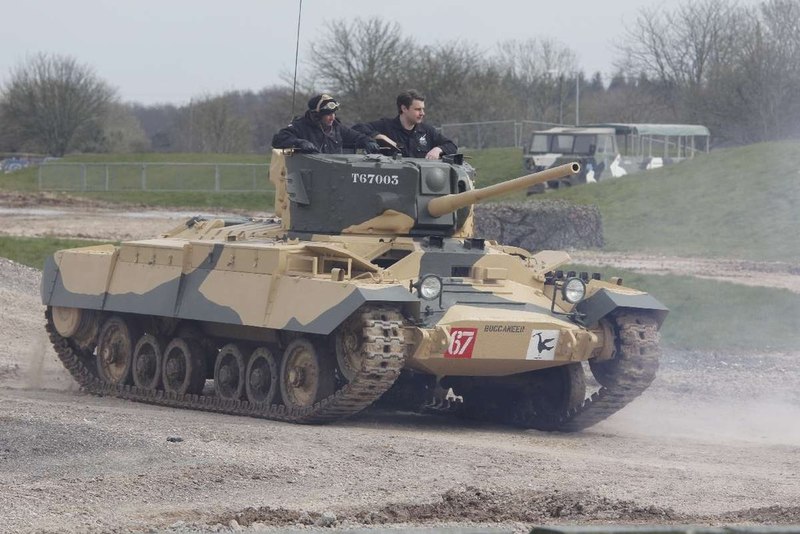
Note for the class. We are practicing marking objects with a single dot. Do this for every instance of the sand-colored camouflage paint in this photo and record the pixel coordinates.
(92, 264)
(389, 222)
(500, 342)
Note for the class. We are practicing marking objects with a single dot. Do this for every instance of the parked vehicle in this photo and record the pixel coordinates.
(612, 149)
(595, 149)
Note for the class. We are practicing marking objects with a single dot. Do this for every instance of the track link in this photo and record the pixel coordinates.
(384, 357)
(622, 379)
(635, 367)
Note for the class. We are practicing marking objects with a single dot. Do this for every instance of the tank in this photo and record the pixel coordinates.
(368, 286)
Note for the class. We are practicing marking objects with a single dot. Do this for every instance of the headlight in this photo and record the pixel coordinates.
(430, 287)
(574, 290)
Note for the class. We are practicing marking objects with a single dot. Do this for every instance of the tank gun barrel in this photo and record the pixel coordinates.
(450, 203)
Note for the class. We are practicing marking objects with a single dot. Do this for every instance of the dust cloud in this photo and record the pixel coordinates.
(42, 369)
(769, 420)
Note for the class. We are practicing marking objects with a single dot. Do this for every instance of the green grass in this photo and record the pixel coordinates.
(161, 177)
(495, 165)
(707, 314)
(129, 177)
(32, 251)
(739, 203)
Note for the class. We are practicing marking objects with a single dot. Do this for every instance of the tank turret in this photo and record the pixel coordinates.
(374, 194)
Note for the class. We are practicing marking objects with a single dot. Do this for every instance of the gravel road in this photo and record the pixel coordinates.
(715, 440)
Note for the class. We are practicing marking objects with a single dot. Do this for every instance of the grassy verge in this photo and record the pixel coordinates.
(249, 202)
(738, 203)
(707, 314)
(127, 178)
(32, 251)
(495, 165)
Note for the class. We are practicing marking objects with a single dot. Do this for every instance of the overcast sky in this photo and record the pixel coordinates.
(168, 51)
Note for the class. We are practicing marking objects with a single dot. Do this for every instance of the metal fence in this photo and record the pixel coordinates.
(492, 134)
(155, 177)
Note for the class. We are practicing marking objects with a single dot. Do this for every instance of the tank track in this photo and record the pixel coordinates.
(384, 347)
(636, 365)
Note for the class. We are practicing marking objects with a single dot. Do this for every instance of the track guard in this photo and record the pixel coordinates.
(604, 302)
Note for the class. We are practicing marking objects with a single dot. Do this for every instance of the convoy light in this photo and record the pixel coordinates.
(430, 287)
(574, 290)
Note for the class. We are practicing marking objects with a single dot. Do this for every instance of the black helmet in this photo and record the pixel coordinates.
(323, 104)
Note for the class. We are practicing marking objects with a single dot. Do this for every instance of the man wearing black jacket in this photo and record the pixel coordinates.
(320, 131)
(406, 132)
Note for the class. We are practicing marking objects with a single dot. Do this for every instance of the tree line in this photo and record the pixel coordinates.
(732, 68)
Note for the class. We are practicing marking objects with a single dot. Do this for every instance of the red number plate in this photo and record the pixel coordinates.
(462, 340)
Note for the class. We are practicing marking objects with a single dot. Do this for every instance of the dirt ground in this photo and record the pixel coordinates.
(715, 440)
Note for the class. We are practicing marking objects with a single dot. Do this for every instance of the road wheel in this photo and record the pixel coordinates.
(307, 373)
(261, 376)
(115, 346)
(229, 373)
(184, 369)
(147, 361)
(349, 342)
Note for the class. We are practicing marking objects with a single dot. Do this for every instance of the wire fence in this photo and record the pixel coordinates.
(240, 177)
(155, 177)
(492, 134)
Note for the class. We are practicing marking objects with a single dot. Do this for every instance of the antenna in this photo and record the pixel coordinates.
(296, 55)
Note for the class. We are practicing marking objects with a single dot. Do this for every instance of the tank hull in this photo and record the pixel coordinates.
(495, 317)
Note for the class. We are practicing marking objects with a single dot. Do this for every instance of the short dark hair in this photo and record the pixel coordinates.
(406, 98)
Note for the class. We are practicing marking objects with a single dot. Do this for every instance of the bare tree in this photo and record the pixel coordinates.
(10, 137)
(361, 62)
(770, 64)
(159, 123)
(442, 73)
(218, 128)
(626, 100)
(754, 95)
(52, 101)
(683, 48)
(734, 69)
(119, 131)
(271, 115)
(535, 70)
(485, 97)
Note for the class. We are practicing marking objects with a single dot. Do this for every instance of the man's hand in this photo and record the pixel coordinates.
(434, 153)
(372, 148)
(387, 140)
(307, 147)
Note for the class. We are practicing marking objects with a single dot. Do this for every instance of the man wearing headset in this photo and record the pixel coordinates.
(320, 131)
(406, 133)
